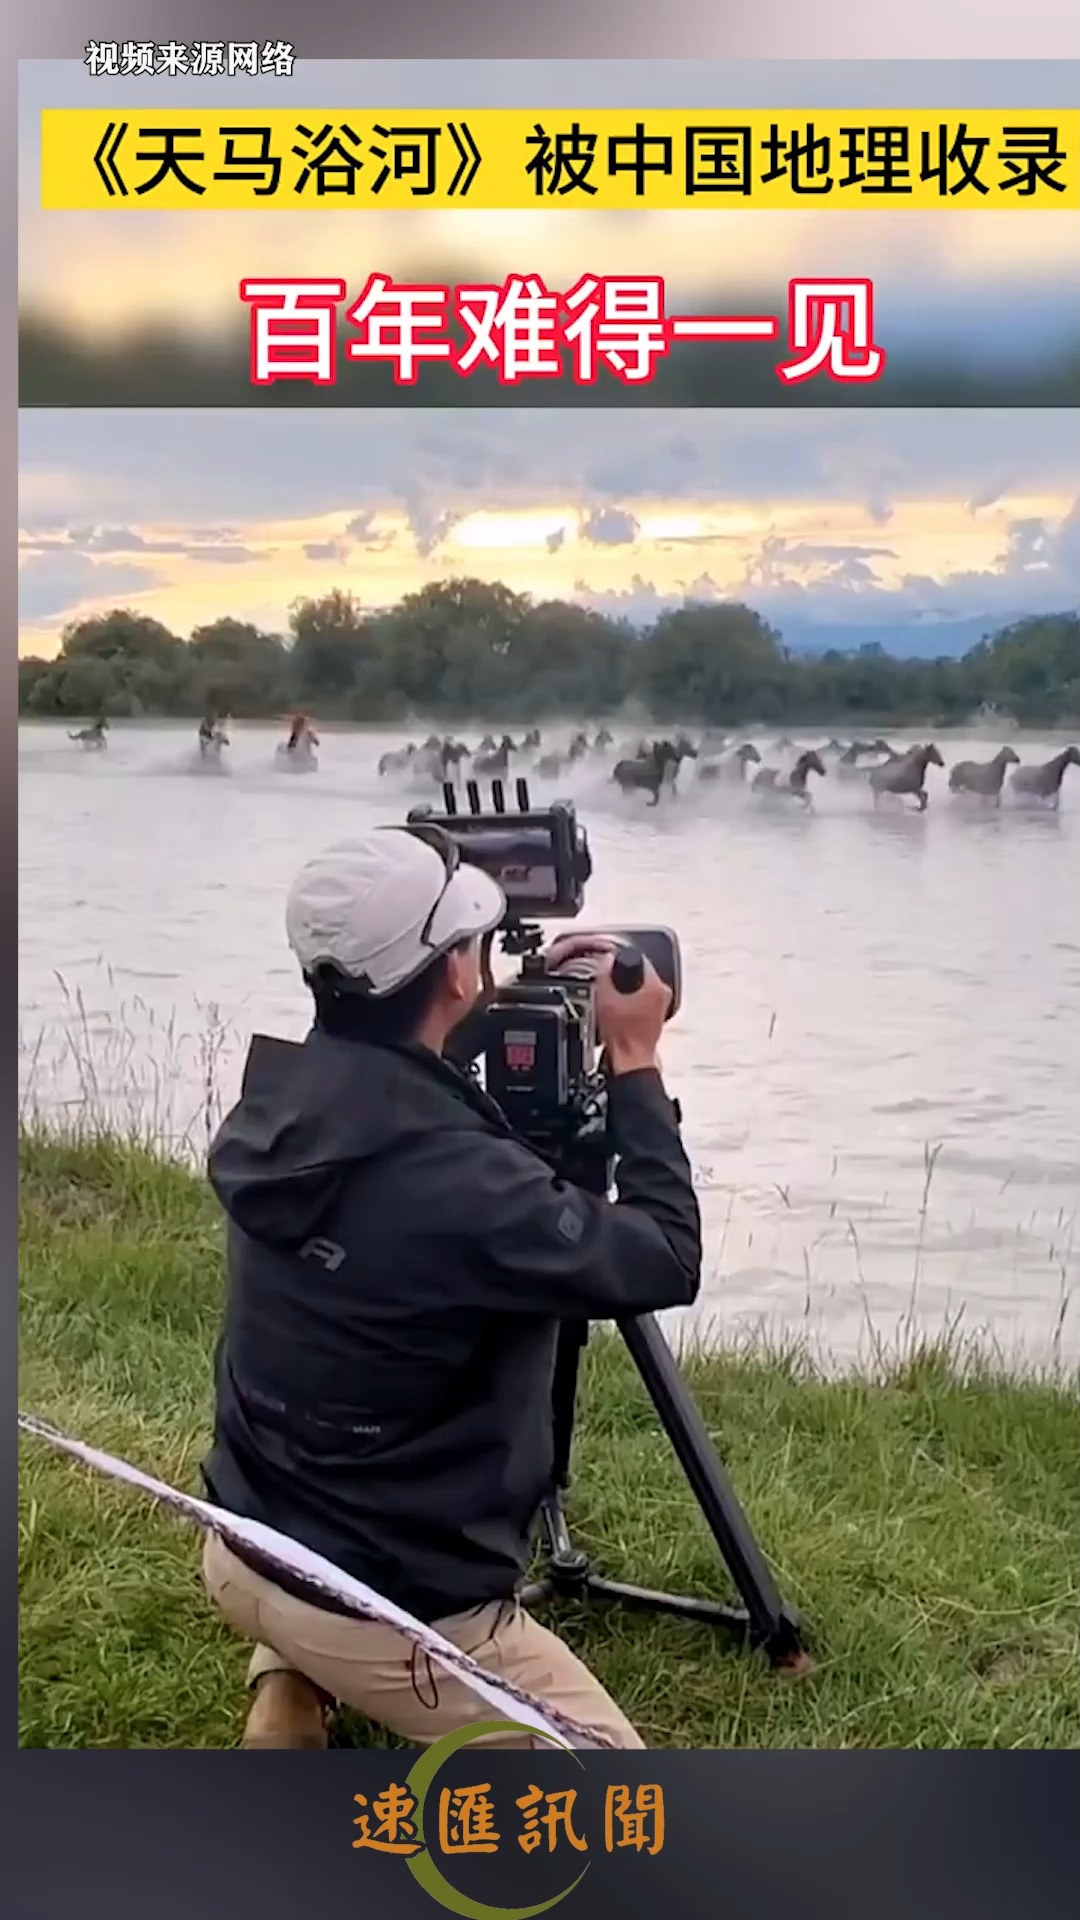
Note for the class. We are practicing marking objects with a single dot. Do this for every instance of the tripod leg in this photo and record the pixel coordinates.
(772, 1624)
(566, 1568)
(568, 1352)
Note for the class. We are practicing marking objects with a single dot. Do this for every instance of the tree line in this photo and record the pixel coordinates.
(465, 649)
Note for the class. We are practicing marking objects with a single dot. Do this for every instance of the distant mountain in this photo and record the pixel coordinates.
(928, 638)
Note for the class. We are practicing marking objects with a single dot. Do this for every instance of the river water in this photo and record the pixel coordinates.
(876, 1056)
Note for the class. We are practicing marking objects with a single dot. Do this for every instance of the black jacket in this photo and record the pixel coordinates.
(398, 1264)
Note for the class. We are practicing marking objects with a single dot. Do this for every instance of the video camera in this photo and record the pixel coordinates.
(538, 1034)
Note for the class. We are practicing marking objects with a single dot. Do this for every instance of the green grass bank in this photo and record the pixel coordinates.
(924, 1520)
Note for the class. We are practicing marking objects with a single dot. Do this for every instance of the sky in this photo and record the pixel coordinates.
(818, 518)
(995, 284)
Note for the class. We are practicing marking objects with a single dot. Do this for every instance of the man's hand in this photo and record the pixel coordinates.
(629, 1024)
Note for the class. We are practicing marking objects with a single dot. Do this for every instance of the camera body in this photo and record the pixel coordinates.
(537, 1036)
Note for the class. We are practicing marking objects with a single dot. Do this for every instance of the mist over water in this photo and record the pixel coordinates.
(876, 1054)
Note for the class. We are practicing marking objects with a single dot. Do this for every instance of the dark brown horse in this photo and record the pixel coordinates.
(905, 774)
(656, 768)
(1042, 784)
(449, 757)
(792, 786)
(495, 763)
(984, 778)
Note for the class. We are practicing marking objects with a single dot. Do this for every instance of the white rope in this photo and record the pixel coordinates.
(322, 1577)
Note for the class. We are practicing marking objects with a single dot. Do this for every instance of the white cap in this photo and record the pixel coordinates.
(380, 908)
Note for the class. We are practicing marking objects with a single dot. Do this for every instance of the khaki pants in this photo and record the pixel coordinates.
(375, 1670)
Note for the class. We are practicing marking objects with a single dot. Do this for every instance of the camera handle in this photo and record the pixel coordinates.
(628, 970)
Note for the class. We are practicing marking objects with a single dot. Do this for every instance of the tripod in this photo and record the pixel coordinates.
(764, 1620)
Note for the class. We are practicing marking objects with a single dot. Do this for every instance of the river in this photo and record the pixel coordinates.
(876, 1055)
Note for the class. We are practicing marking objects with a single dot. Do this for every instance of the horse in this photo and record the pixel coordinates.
(1042, 784)
(657, 768)
(847, 767)
(905, 774)
(550, 765)
(212, 738)
(497, 761)
(770, 780)
(92, 736)
(603, 741)
(732, 769)
(532, 739)
(297, 753)
(437, 761)
(453, 753)
(984, 778)
(396, 761)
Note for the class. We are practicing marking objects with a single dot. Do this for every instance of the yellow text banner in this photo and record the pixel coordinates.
(230, 159)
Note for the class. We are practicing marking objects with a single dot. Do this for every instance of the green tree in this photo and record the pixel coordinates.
(83, 685)
(239, 669)
(465, 649)
(332, 641)
(452, 646)
(720, 663)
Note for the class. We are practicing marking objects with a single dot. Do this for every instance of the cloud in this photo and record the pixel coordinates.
(213, 544)
(988, 494)
(1027, 545)
(1065, 545)
(779, 561)
(51, 585)
(121, 540)
(361, 529)
(429, 525)
(205, 486)
(363, 532)
(170, 469)
(609, 527)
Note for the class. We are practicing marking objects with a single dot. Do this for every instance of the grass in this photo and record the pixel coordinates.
(923, 1518)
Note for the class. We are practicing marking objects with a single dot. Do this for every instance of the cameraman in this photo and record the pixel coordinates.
(398, 1265)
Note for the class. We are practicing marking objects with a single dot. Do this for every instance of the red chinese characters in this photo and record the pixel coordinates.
(524, 330)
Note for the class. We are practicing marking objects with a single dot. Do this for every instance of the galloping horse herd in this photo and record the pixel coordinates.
(653, 767)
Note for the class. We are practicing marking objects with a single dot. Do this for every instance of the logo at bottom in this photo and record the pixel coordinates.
(468, 1813)
(401, 1822)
